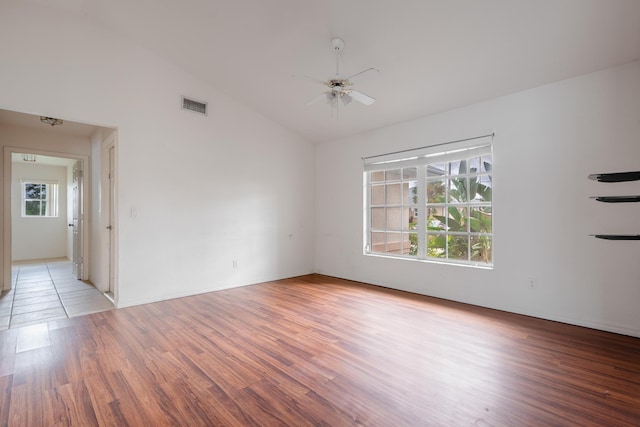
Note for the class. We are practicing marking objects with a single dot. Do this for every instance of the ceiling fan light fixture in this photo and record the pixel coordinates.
(346, 99)
(51, 121)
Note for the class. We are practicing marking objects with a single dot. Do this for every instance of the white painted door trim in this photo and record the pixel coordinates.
(111, 192)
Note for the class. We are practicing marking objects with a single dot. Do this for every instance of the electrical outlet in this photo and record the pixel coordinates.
(532, 284)
(235, 263)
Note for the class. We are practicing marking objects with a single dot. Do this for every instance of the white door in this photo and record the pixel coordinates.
(112, 196)
(78, 219)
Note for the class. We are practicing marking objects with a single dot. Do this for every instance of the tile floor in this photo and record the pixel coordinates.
(45, 291)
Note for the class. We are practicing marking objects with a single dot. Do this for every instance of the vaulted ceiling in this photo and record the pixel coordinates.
(433, 55)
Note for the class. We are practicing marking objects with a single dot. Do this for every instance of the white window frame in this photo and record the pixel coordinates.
(51, 198)
(419, 159)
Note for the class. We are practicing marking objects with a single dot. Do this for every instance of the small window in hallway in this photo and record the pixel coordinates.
(39, 198)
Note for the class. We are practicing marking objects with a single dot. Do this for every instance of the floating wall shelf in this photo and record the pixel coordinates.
(617, 236)
(615, 176)
(617, 199)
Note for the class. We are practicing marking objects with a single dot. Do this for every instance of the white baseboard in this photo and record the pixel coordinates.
(213, 288)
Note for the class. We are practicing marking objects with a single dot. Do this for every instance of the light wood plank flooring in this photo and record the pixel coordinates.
(314, 351)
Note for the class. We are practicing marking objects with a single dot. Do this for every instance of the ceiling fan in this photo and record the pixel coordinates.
(339, 87)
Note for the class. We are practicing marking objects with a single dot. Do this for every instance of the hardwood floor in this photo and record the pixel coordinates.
(316, 351)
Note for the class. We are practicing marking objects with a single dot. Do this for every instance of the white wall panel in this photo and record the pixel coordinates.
(38, 237)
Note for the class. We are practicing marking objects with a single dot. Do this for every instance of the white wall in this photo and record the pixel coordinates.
(44, 141)
(205, 190)
(547, 141)
(38, 238)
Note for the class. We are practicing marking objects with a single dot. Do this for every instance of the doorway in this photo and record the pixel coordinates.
(47, 207)
(49, 279)
(88, 253)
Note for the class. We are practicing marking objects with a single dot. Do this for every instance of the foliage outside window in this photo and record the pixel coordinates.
(40, 199)
(432, 204)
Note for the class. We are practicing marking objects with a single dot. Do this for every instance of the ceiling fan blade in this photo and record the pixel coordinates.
(361, 97)
(318, 98)
(368, 72)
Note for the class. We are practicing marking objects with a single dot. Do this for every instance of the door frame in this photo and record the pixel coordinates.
(7, 203)
(109, 190)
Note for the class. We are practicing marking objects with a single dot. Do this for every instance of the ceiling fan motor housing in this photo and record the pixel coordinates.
(338, 84)
(337, 43)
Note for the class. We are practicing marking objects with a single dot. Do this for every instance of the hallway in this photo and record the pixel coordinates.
(46, 291)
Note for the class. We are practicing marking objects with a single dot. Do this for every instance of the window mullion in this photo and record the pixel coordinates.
(367, 216)
(467, 212)
(445, 211)
(422, 211)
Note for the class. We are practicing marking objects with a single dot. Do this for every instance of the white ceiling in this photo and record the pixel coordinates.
(433, 55)
(44, 160)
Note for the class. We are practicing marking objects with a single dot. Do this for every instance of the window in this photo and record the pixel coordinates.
(40, 198)
(393, 208)
(433, 203)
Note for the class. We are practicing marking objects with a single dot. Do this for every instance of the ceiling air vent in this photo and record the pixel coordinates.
(192, 105)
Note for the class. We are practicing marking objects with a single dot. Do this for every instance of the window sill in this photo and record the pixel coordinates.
(433, 261)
